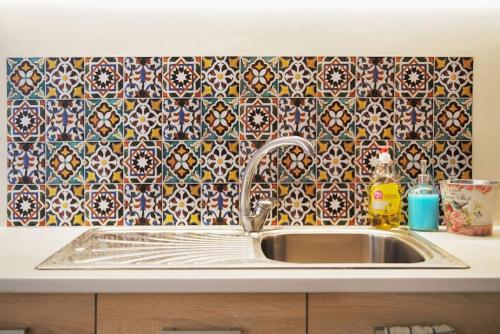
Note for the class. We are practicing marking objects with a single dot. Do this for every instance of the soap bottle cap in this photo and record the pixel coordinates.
(423, 177)
(384, 155)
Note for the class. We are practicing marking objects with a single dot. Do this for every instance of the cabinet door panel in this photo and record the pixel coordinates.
(359, 313)
(48, 313)
(250, 313)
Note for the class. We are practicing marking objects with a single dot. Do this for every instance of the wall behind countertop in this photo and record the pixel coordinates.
(151, 28)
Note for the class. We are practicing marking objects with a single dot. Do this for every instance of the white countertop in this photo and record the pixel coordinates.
(21, 249)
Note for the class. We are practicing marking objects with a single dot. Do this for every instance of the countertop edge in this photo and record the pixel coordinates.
(362, 285)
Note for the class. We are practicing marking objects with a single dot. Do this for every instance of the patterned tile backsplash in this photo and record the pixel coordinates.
(164, 140)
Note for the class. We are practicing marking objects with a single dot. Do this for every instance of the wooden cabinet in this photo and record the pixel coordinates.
(250, 313)
(48, 313)
(353, 313)
(468, 313)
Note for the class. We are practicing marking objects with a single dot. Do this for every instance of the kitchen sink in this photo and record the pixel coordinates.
(230, 248)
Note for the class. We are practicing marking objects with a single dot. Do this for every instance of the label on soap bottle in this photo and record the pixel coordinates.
(385, 199)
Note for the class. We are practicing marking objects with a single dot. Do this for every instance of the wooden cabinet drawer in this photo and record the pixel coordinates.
(250, 313)
(48, 313)
(359, 313)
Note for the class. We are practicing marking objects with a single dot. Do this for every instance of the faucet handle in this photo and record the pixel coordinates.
(259, 215)
(268, 203)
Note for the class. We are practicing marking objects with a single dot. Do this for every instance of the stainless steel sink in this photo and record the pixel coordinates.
(340, 248)
(209, 248)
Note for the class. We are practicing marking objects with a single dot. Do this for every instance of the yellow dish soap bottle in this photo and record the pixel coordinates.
(384, 194)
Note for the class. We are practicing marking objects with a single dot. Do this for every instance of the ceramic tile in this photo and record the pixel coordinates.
(25, 78)
(409, 156)
(65, 120)
(104, 77)
(25, 120)
(142, 77)
(181, 119)
(258, 118)
(65, 162)
(367, 152)
(142, 119)
(441, 211)
(65, 205)
(336, 204)
(64, 78)
(452, 159)
(298, 204)
(414, 76)
(220, 76)
(182, 204)
(453, 77)
(142, 162)
(267, 170)
(103, 162)
(104, 204)
(361, 197)
(336, 118)
(259, 76)
(375, 77)
(143, 204)
(298, 76)
(405, 187)
(414, 119)
(181, 161)
(297, 117)
(296, 165)
(220, 161)
(336, 76)
(453, 119)
(165, 140)
(220, 119)
(104, 119)
(220, 204)
(335, 161)
(181, 76)
(25, 205)
(374, 118)
(26, 163)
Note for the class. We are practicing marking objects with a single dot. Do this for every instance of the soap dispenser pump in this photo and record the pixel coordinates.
(423, 203)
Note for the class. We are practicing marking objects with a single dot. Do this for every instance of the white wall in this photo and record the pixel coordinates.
(272, 27)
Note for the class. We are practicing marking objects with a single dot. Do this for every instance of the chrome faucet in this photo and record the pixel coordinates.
(253, 221)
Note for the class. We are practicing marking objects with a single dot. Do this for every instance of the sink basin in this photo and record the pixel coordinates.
(230, 248)
(339, 248)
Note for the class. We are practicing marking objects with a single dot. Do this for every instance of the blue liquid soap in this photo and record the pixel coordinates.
(423, 212)
(423, 203)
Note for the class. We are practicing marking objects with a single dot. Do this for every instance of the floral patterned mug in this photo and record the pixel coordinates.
(468, 206)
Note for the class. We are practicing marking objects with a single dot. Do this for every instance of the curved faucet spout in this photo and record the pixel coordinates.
(254, 221)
